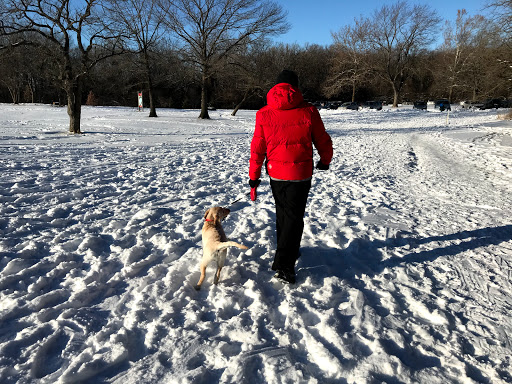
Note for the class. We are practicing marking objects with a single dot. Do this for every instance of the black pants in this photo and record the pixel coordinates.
(290, 198)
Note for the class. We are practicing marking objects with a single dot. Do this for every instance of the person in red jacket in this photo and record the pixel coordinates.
(286, 130)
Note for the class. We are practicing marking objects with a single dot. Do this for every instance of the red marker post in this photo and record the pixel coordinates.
(140, 102)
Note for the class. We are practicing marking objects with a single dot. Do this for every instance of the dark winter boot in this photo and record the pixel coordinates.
(286, 276)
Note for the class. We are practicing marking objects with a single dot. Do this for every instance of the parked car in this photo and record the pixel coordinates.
(471, 104)
(333, 105)
(374, 105)
(506, 103)
(442, 105)
(318, 105)
(495, 103)
(420, 104)
(350, 105)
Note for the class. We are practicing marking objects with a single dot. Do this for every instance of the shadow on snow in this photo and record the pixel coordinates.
(369, 257)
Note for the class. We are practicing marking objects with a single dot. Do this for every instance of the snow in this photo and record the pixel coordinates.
(405, 274)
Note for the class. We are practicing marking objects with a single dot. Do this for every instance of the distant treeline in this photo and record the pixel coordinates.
(472, 63)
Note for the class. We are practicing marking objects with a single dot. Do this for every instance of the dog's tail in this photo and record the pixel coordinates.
(226, 244)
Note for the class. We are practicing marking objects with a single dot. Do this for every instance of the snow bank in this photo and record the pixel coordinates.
(405, 274)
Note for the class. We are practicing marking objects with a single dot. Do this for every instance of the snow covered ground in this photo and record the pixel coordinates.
(405, 274)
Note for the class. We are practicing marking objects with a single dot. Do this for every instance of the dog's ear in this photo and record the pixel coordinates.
(206, 214)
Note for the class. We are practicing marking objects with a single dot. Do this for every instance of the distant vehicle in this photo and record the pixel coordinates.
(333, 105)
(471, 104)
(350, 105)
(506, 103)
(374, 105)
(442, 105)
(420, 105)
(495, 103)
(318, 105)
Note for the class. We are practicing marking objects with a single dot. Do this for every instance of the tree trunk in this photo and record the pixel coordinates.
(239, 105)
(152, 107)
(15, 94)
(204, 99)
(74, 93)
(32, 89)
(395, 97)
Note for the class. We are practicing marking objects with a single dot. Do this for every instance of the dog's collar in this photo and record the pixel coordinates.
(208, 220)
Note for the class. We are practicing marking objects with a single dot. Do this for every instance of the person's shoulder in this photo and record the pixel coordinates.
(307, 105)
(263, 111)
(309, 108)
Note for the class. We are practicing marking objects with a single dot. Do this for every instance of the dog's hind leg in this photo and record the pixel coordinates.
(217, 276)
(201, 279)
(221, 260)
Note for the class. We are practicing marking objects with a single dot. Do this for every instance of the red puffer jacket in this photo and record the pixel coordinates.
(286, 130)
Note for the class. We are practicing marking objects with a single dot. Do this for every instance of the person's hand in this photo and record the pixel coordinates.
(321, 166)
(254, 184)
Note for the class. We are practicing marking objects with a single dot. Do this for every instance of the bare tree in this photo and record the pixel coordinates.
(459, 42)
(142, 22)
(12, 71)
(23, 70)
(249, 76)
(396, 34)
(350, 67)
(78, 40)
(311, 65)
(210, 30)
(502, 11)
(258, 70)
(489, 67)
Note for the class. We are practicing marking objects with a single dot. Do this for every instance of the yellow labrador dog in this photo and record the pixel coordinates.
(215, 242)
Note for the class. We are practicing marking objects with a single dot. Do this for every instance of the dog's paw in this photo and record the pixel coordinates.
(197, 287)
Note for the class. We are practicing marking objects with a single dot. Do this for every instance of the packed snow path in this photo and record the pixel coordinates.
(405, 274)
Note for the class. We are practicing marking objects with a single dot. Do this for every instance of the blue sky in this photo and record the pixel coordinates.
(313, 21)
